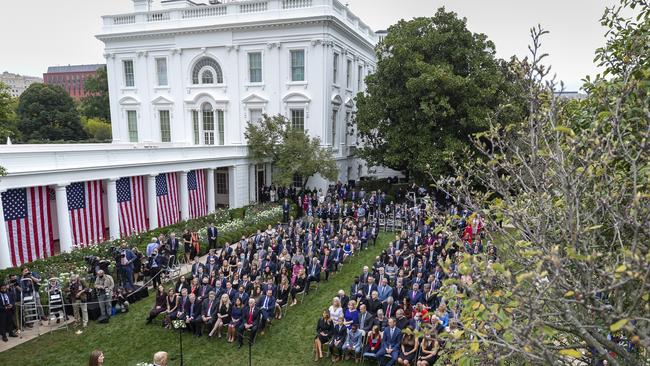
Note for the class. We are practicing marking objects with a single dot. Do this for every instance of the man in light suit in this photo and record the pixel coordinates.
(384, 290)
(213, 236)
(390, 343)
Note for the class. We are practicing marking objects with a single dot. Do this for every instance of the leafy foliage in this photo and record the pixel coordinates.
(96, 104)
(8, 126)
(572, 183)
(435, 85)
(292, 151)
(47, 112)
(97, 128)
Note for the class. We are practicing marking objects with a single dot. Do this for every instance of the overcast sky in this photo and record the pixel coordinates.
(35, 34)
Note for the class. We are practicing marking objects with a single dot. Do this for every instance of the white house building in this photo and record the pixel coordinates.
(184, 80)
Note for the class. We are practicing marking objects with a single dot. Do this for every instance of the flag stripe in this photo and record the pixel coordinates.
(167, 199)
(86, 212)
(28, 224)
(130, 195)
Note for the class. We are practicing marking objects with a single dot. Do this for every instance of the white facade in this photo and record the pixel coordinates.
(170, 115)
(195, 75)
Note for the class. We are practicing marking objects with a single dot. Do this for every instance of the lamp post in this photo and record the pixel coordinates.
(180, 325)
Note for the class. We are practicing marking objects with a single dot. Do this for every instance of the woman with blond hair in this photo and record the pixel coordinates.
(336, 311)
(223, 316)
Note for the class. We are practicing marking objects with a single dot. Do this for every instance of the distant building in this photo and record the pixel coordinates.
(571, 95)
(71, 77)
(18, 83)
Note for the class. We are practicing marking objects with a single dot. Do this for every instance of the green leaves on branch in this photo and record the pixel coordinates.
(292, 151)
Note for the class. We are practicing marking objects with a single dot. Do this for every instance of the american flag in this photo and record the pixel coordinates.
(131, 202)
(167, 198)
(86, 208)
(29, 224)
(196, 188)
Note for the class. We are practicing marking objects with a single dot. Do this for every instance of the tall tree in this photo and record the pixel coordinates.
(96, 104)
(435, 84)
(7, 115)
(48, 113)
(292, 151)
(571, 184)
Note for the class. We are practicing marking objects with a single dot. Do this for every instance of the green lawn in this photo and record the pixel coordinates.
(127, 341)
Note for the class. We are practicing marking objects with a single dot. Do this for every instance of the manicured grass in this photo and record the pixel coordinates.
(127, 340)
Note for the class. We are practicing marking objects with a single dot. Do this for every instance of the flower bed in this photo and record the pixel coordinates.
(232, 224)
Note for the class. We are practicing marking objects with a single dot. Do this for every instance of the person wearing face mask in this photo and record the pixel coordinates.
(104, 285)
(155, 266)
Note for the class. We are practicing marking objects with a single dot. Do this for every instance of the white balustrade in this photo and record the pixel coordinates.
(294, 4)
(123, 19)
(204, 12)
(253, 7)
(157, 16)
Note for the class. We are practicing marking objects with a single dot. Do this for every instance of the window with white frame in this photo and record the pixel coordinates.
(297, 181)
(255, 67)
(255, 115)
(129, 73)
(297, 65)
(348, 75)
(165, 128)
(208, 124)
(221, 127)
(132, 120)
(335, 69)
(335, 115)
(298, 118)
(196, 127)
(344, 137)
(161, 71)
(207, 71)
(221, 182)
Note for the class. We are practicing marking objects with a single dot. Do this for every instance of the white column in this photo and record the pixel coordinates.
(113, 212)
(268, 174)
(5, 253)
(251, 184)
(152, 205)
(63, 218)
(210, 190)
(184, 196)
(232, 188)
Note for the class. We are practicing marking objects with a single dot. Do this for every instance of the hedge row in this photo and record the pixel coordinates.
(74, 261)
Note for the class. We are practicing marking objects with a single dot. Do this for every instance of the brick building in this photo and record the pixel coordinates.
(71, 77)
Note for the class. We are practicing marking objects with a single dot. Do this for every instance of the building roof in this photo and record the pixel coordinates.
(74, 68)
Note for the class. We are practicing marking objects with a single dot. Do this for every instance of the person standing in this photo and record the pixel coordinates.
(125, 264)
(78, 298)
(7, 309)
(213, 236)
(173, 244)
(286, 208)
(104, 285)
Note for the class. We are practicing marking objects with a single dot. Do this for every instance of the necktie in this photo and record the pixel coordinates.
(388, 311)
(266, 302)
(209, 307)
(250, 317)
(391, 333)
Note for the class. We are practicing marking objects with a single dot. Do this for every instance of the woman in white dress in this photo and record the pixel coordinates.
(336, 311)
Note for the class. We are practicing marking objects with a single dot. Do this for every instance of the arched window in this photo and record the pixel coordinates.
(207, 71)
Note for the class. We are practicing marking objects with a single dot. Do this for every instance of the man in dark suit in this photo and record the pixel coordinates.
(286, 208)
(7, 309)
(313, 273)
(173, 244)
(183, 306)
(250, 322)
(213, 236)
(204, 291)
(399, 292)
(328, 263)
(208, 313)
(365, 319)
(415, 295)
(390, 342)
(369, 287)
(267, 307)
(192, 316)
(390, 308)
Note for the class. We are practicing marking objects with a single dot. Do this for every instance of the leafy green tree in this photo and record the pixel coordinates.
(7, 115)
(571, 186)
(98, 129)
(292, 151)
(47, 112)
(96, 104)
(435, 84)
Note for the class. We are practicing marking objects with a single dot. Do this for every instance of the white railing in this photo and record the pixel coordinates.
(294, 4)
(204, 12)
(254, 7)
(124, 19)
(157, 17)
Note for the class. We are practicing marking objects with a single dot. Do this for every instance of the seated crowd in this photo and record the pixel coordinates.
(394, 311)
(246, 285)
